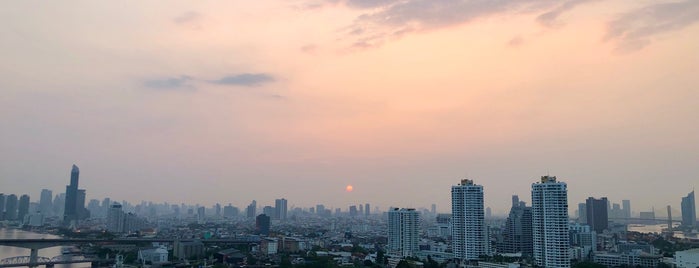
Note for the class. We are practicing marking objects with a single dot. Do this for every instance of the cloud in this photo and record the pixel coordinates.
(188, 17)
(245, 79)
(386, 20)
(635, 29)
(550, 18)
(169, 83)
(515, 41)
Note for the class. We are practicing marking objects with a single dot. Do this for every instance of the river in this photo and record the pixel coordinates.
(9, 252)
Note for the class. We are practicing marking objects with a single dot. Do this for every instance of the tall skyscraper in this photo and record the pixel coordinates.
(626, 208)
(582, 213)
(45, 204)
(11, 207)
(468, 221)
(23, 207)
(2, 207)
(403, 230)
(70, 213)
(280, 207)
(597, 214)
(689, 211)
(367, 209)
(550, 223)
(517, 235)
(251, 210)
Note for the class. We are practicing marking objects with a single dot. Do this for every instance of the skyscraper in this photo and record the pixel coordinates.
(468, 223)
(550, 223)
(70, 213)
(280, 207)
(11, 207)
(689, 211)
(597, 214)
(403, 226)
(517, 235)
(23, 207)
(582, 213)
(45, 204)
(115, 218)
(2, 207)
(367, 209)
(626, 208)
(251, 210)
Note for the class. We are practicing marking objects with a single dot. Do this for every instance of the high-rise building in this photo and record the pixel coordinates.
(251, 210)
(230, 211)
(468, 221)
(73, 208)
(280, 209)
(11, 207)
(582, 213)
(262, 224)
(45, 205)
(367, 209)
(59, 202)
(115, 219)
(403, 230)
(2, 207)
(550, 223)
(353, 211)
(201, 215)
(23, 207)
(689, 211)
(597, 215)
(517, 235)
(626, 208)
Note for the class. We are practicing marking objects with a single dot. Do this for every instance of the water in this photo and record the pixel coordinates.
(658, 228)
(9, 252)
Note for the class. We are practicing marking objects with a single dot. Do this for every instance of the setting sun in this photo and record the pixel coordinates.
(349, 188)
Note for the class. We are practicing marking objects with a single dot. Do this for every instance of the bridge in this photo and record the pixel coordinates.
(22, 261)
(33, 260)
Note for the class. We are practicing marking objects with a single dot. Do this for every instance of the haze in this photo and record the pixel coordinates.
(224, 102)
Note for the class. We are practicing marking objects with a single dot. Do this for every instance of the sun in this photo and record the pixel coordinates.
(349, 188)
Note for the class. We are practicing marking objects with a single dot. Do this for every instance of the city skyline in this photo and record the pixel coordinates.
(230, 102)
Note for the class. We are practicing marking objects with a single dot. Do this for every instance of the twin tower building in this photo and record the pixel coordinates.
(469, 234)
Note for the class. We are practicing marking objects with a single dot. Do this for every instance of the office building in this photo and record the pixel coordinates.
(201, 215)
(23, 207)
(353, 211)
(230, 211)
(251, 210)
(517, 234)
(115, 219)
(597, 216)
(2, 207)
(11, 207)
(281, 209)
(367, 209)
(45, 204)
(262, 224)
(626, 208)
(582, 213)
(689, 211)
(403, 231)
(468, 221)
(550, 223)
(75, 199)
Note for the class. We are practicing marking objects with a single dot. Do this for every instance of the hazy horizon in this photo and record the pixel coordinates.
(213, 102)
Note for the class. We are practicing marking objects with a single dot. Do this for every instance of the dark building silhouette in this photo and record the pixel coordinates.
(70, 213)
(262, 224)
(689, 211)
(2, 207)
(251, 210)
(11, 207)
(597, 215)
(23, 207)
(45, 204)
(517, 235)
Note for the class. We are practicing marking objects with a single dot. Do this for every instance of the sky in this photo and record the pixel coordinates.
(228, 101)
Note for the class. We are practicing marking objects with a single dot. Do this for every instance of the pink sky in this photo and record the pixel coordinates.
(226, 102)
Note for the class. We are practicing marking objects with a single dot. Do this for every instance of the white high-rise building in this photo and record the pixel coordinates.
(468, 233)
(550, 223)
(403, 226)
